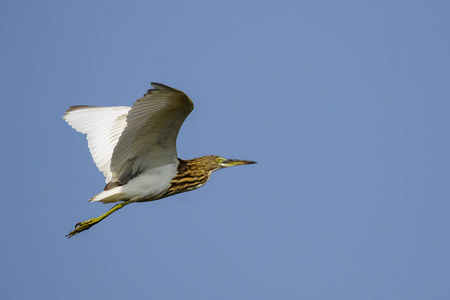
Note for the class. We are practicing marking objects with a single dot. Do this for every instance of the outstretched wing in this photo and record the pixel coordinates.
(149, 139)
(103, 127)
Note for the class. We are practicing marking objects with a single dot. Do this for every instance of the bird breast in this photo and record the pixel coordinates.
(151, 184)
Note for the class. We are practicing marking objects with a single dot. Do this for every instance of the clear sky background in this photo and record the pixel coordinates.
(344, 104)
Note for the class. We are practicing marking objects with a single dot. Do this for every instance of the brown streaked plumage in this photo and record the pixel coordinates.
(135, 148)
(192, 174)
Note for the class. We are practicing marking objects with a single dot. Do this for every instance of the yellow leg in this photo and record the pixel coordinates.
(82, 226)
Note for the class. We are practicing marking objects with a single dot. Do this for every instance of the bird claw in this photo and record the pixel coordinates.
(81, 226)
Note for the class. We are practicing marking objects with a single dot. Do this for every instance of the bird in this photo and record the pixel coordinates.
(135, 149)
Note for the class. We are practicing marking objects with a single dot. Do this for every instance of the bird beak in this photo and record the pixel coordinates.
(236, 162)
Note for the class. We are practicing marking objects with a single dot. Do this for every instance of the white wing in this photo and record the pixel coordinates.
(103, 127)
(149, 140)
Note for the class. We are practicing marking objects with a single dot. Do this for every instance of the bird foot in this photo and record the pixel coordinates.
(82, 226)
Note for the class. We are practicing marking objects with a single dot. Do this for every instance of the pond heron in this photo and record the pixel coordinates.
(135, 148)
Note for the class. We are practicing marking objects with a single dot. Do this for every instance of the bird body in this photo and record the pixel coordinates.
(135, 148)
(150, 185)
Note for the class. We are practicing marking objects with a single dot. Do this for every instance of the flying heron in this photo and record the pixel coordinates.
(135, 148)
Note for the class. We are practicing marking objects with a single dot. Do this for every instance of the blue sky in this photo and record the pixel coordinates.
(344, 104)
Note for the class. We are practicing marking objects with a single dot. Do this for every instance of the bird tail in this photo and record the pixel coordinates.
(109, 196)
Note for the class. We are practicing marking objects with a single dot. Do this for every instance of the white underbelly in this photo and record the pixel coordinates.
(150, 184)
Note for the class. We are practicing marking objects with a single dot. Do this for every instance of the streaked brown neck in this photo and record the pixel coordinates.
(190, 176)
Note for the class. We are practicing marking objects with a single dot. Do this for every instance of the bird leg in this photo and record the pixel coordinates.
(82, 226)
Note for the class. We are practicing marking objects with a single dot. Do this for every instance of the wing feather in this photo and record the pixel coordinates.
(149, 139)
(103, 127)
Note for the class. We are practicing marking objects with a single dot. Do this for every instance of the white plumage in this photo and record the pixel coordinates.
(134, 146)
(102, 126)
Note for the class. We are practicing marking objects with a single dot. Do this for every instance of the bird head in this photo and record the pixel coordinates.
(214, 162)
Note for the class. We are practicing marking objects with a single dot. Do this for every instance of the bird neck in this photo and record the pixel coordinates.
(189, 177)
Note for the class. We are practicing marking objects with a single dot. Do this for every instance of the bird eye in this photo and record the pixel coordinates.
(219, 159)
